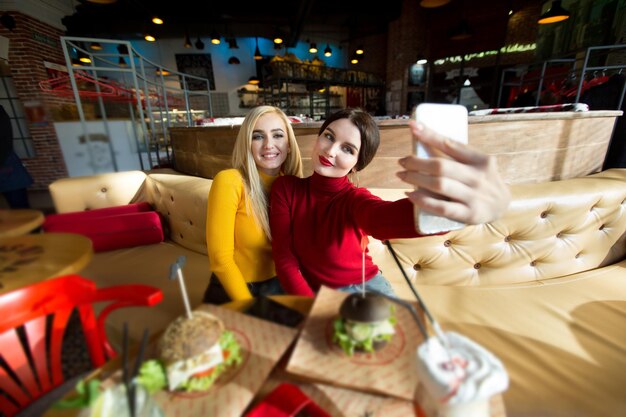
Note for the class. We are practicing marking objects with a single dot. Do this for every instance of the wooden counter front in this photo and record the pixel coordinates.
(530, 147)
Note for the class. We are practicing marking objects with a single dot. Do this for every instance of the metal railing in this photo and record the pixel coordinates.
(125, 76)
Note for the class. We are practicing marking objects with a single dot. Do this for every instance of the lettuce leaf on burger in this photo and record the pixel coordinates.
(366, 323)
(192, 354)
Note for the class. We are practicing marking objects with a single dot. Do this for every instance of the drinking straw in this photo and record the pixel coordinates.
(440, 335)
(138, 361)
(364, 243)
(176, 272)
(125, 371)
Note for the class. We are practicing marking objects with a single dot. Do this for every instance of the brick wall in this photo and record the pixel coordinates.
(30, 44)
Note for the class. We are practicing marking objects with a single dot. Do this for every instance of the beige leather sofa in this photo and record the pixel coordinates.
(544, 287)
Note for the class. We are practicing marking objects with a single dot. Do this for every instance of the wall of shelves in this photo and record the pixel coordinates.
(313, 90)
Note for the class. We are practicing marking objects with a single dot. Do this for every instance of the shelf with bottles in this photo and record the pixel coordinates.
(315, 99)
(298, 72)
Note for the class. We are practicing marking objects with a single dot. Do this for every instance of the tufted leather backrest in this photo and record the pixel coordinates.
(96, 191)
(180, 199)
(182, 202)
(550, 230)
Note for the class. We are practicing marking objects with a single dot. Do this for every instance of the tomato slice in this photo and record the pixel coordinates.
(225, 354)
(202, 374)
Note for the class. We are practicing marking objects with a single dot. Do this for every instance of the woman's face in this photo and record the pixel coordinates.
(336, 150)
(270, 144)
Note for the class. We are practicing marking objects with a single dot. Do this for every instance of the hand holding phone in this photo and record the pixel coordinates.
(449, 120)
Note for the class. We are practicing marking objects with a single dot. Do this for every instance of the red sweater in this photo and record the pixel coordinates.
(317, 224)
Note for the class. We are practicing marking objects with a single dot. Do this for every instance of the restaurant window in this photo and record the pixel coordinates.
(22, 140)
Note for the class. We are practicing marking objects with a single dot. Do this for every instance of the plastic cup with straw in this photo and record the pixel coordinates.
(176, 271)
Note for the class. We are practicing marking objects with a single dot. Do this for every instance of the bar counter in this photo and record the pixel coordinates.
(529, 147)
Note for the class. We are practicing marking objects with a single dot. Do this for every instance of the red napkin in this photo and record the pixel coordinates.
(286, 400)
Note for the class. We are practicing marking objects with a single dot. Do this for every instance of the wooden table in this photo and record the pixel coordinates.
(28, 259)
(16, 222)
(300, 304)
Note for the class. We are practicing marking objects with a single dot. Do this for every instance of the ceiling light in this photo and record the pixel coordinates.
(232, 43)
(359, 50)
(421, 61)
(313, 48)
(278, 40)
(199, 44)
(157, 20)
(257, 51)
(162, 72)
(556, 13)
(510, 12)
(82, 56)
(253, 80)
(95, 46)
(354, 60)
(467, 83)
(187, 41)
(328, 51)
(149, 38)
(461, 32)
(233, 60)
(215, 38)
(431, 4)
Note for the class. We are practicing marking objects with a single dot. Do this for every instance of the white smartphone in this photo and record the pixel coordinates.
(449, 120)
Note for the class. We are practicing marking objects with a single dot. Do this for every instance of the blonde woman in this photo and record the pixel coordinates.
(238, 232)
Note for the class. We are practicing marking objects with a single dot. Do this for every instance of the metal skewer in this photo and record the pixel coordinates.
(436, 327)
(176, 272)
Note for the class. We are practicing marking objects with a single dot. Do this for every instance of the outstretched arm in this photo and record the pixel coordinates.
(467, 188)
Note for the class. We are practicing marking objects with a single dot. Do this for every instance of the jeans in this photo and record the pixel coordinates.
(379, 283)
(216, 294)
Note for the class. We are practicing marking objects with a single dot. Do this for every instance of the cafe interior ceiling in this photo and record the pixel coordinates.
(321, 21)
(330, 20)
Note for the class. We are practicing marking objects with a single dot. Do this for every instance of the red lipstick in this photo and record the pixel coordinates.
(325, 161)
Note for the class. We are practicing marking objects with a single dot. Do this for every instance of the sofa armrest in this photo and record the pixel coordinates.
(96, 191)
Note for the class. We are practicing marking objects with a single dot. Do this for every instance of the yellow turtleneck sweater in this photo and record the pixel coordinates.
(239, 251)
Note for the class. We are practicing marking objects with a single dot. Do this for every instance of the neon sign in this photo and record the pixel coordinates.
(507, 49)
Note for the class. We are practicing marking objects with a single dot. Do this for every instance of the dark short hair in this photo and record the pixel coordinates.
(370, 135)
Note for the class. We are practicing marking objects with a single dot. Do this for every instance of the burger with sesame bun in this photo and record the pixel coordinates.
(192, 354)
(366, 323)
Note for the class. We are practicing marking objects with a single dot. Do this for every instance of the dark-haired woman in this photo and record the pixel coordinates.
(318, 222)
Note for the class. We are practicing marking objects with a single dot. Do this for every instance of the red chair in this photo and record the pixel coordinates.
(33, 368)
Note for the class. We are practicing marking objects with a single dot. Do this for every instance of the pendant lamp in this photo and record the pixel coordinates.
(556, 13)
(257, 51)
(431, 4)
(199, 44)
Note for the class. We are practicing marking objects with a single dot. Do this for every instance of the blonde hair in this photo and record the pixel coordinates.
(257, 200)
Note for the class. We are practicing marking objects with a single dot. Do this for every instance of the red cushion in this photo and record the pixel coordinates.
(115, 232)
(80, 216)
